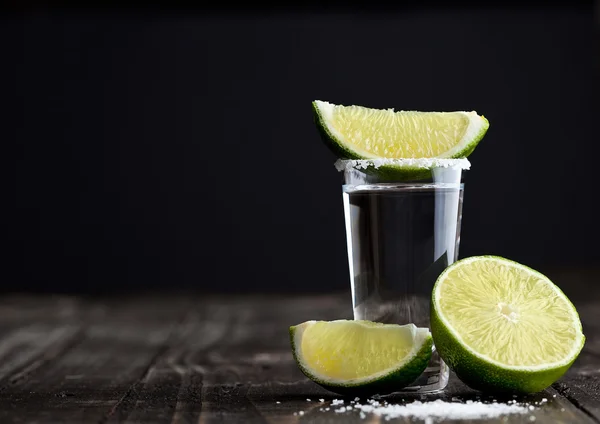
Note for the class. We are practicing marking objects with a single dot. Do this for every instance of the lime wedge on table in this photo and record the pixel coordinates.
(357, 132)
(361, 357)
(502, 326)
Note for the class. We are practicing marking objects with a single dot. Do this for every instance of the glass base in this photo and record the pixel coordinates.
(434, 379)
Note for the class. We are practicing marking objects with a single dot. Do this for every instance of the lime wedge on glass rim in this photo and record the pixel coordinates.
(357, 132)
(361, 357)
(503, 327)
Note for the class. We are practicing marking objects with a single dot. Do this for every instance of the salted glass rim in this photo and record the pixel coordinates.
(412, 163)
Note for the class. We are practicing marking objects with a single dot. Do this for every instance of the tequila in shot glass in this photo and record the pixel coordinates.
(402, 232)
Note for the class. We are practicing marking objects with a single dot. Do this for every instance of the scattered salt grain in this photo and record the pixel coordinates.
(562, 409)
(308, 400)
(544, 400)
(356, 399)
(553, 395)
(278, 402)
(532, 418)
(362, 415)
(441, 410)
(321, 400)
(531, 407)
(301, 412)
(337, 402)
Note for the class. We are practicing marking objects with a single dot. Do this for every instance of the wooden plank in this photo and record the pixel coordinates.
(581, 384)
(292, 397)
(171, 391)
(240, 361)
(90, 381)
(263, 363)
(207, 374)
(34, 331)
(226, 360)
(255, 354)
(247, 369)
(19, 309)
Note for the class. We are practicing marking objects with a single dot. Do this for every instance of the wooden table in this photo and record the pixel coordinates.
(193, 359)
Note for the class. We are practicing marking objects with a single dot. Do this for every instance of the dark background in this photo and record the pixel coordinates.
(174, 148)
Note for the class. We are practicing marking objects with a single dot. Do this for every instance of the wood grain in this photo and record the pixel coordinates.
(35, 331)
(88, 381)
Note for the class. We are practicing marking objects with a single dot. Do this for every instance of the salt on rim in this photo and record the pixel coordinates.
(420, 163)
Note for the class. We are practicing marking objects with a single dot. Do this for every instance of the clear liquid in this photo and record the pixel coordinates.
(400, 238)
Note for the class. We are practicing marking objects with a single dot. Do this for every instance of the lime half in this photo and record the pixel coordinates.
(357, 132)
(361, 357)
(503, 327)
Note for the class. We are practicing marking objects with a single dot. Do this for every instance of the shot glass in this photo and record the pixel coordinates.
(403, 230)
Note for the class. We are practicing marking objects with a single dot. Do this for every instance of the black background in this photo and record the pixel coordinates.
(174, 148)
